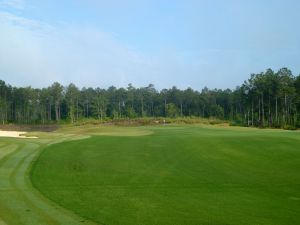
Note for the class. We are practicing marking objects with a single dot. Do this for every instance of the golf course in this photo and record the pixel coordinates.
(164, 175)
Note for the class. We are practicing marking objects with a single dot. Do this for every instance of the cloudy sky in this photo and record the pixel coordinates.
(187, 43)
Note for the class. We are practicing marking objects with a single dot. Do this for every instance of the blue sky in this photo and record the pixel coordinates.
(214, 43)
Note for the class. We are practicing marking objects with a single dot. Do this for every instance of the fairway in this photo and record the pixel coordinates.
(20, 203)
(149, 112)
(175, 175)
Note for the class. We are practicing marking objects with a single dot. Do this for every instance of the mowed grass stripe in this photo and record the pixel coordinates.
(177, 175)
(26, 207)
(15, 201)
(2, 222)
(19, 202)
(7, 148)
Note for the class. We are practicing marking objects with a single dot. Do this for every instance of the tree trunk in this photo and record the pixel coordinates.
(181, 109)
(119, 107)
(77, 111)
(87, 110)
(285, 110)
(269, 113)
(252, 114)
(142, 106)
(49, 113)
(165, 107)
(248, 115)
(262, 110)
(57, 111)
(276, 114)
(152, 108)
(259, 114)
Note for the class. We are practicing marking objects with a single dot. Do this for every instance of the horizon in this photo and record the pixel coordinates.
(148, 85)
(185, 44)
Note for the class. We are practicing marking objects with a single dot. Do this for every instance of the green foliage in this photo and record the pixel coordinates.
(289, 127)
(130, 112)
(268, 99)
(217, 111)
(172, 110)
(143, 121)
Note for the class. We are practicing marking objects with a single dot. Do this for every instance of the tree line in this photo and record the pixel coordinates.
(267, 99)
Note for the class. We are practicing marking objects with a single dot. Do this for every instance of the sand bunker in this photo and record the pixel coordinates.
(15, 134)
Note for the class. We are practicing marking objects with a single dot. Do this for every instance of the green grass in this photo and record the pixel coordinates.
(20, 203)
(175, 175)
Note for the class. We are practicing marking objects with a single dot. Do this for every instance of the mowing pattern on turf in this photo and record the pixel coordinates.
(20, 203)
(177, 175)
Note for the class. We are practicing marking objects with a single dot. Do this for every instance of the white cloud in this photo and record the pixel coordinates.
(16, 4)
(36, 53)
(33, 52)
(24, 23)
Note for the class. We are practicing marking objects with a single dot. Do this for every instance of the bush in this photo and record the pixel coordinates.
(237, 123)
(289, 127)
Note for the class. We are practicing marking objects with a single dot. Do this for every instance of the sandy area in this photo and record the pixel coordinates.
(15, 134)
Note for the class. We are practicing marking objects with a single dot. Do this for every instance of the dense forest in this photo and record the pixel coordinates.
(268, 99)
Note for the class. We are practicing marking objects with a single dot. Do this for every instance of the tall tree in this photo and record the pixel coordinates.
(56, 93)
(72, 97)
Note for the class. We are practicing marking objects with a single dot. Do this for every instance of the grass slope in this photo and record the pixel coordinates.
(20, 203)
(177, 175)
